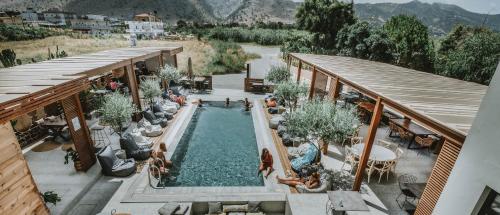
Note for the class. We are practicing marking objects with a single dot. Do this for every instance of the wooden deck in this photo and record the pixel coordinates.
(282, 150)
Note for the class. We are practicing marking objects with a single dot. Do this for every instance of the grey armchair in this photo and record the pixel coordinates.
(159, 111)
(114, 166)
(133, 150)
(154, 120)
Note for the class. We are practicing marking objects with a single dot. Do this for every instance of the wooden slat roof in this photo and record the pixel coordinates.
(20, 81)
(451, 102)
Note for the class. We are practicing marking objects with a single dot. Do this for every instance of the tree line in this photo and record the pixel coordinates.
(467, 53)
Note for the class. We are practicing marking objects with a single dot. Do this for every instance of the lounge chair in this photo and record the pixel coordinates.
(114, 166)
(148, 130)
(308, 158)
(275, 121)
(161, 113)
(133, 150)
(140, 139)
(154, 120)
(295, 152)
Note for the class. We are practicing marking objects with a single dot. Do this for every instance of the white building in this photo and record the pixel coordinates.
(145, 29)
(474, 182)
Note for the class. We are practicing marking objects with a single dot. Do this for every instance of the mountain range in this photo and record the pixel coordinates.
(440, 18)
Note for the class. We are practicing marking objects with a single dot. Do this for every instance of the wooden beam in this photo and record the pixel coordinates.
(299, 70)
(372, 131)
(132, 83)
(313, 80)
(175, 61)
(162, 64)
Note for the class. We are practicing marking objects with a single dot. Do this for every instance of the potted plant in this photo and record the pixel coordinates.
(289, 92)
(116, 111)
(167, 74)
(51, 197)
(73, 155)
(278, 74)
(150, 89)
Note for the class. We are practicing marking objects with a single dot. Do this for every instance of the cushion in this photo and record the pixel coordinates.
(168, 208)
(253, 207)
(234, 208)
(214, 207)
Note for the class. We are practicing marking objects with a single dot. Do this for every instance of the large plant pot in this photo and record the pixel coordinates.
(78, 165)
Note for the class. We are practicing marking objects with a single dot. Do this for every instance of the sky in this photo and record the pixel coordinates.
(478, 6)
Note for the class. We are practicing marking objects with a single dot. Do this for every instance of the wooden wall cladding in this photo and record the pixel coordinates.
(18, 191)
(79, 133)
(439, 177)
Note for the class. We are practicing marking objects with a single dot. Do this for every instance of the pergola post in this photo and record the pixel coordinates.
(80, 133)
(313, 80)
(372, 131)
(162, 63)
(335, 89)
(132, 83)
(299, 70)
(175, 61)
(288, 62)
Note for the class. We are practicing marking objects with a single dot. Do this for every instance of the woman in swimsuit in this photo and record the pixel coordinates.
(266, 162)
(312, 183)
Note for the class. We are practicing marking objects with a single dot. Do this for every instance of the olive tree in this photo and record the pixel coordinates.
(278, 74)
(290, 92)
(150, 90)
(322, 120)
(116, 110)
(167, 74)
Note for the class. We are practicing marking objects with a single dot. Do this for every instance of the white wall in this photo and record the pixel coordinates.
(478, 164)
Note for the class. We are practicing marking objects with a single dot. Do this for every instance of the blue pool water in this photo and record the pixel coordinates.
(218, 148)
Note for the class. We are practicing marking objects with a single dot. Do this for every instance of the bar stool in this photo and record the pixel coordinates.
(99, 136)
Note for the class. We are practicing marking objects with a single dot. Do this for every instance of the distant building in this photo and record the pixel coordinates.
(96, 25)
(147, 17)
(58, 18)
(145, 25)
(11, 17)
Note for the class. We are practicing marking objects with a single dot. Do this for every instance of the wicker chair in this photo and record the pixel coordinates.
(350, 158)
(403, 181)
(393, 130)
(406, 137)
(423, 143)
(380, 167)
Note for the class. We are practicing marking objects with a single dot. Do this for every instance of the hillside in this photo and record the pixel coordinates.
(439, 17)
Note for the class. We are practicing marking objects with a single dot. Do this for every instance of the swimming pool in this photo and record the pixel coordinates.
(218, 148)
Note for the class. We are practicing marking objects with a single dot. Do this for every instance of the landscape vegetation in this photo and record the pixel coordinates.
(466, 52)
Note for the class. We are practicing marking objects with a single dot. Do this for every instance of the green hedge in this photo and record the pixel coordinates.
(17, 33)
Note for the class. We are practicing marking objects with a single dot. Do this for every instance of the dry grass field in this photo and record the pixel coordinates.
(200, 52)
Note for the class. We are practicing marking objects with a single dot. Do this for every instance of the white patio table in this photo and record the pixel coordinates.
(378, 153)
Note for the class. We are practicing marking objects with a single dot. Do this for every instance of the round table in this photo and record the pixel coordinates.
(378, 153)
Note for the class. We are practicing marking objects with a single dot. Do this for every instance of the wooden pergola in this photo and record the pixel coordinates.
(26, 88)
(444, 105)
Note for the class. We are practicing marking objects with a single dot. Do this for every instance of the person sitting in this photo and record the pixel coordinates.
(227, 102)
(179, 99)
(200, 103)
(312, 183)
(266, 162)
(271, 102)
(157, 165)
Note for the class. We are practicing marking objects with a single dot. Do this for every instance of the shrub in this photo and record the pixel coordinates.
(17, 33)
(278, 74)
(150, 90)
(116, 110)
(169, 73)
(229, 57)
(289, 92)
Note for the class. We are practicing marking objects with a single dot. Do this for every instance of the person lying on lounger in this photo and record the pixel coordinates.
(179, 99)
(266, 162)
(312, 183)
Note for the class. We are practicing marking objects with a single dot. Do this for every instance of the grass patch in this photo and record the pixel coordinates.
(256, 35)
(228, 58)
